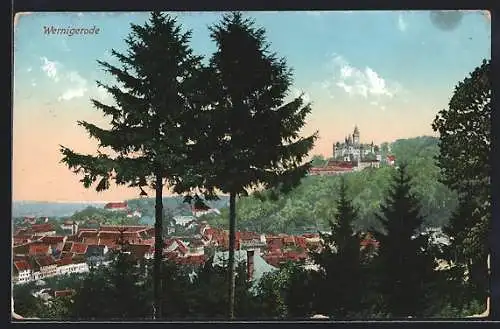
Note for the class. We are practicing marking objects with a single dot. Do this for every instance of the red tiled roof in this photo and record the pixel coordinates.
(19, 257)
(274, 243)
(52, 239)
(110, 243)
(66, 254)
(45, 261)
(42, 227)
(19, 240)
(128, 228)
(115, 205)
(273, 260)
(293, 255)
(138, 251)
(247, 236)
(39, 249)
(65, 261)
(24, 232)
(300, 241)
(21, 249)
(22, 265)
(87, 234)
(79, 248)
(91, 240)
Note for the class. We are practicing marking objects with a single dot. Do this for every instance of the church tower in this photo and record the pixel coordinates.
(355, 135)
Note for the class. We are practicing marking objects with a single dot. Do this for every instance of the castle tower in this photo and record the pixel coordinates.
(355, 135)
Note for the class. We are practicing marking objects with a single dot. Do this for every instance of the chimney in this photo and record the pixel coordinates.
(250, 264)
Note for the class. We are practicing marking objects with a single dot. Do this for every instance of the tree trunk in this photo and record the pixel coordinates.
(158, 247)
(232, 245)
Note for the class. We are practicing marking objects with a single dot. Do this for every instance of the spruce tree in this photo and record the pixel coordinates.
(155, 97)
(253, 137)
(340, 260)
(404, 266)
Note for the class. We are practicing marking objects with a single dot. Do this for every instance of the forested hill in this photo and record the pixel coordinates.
(308, 207)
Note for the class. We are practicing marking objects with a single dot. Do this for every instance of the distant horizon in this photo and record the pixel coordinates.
(388, 72)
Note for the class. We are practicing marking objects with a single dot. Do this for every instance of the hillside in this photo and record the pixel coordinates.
(309, 206)
(66, 209)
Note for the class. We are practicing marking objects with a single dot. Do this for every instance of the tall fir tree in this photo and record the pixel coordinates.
(340, 260)
(405, 267)
(253, 137)
(151, 120)
(465, 163)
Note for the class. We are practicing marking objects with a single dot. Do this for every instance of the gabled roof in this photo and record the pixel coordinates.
(67, 260)
(45, 261)
(138, 251)
(127, 228)
(16, 241)
(87, 234)
(79, 248)
(116, 205)
(91, 240)
(109, 242)
(24, 232)
(53, 239)
(39, 249)
(42, 228)
(22, 265)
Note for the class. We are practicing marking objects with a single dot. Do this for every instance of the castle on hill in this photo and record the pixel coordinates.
(353, 150)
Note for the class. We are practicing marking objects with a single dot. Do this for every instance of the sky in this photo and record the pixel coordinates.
(387, 72)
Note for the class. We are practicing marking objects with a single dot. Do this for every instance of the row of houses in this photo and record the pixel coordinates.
(68, 254)
(336, 167)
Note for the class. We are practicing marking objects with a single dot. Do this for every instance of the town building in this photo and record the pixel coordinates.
(351, 149)
(116, 206)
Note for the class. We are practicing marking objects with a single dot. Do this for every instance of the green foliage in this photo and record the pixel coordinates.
(287, 293)
(118, 292)
(318, 161)
(152, 125)
(252, 139)
(253, 136)
(404, 265)
(309, 206)
(464, 159)
(340, 261)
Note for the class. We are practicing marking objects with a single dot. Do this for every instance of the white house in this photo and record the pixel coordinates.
(135, 213)
(67, 266)
(22, 271)
(183, 220)
(200, 212)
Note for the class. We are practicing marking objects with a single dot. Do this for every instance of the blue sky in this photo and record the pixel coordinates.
(388, 72)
